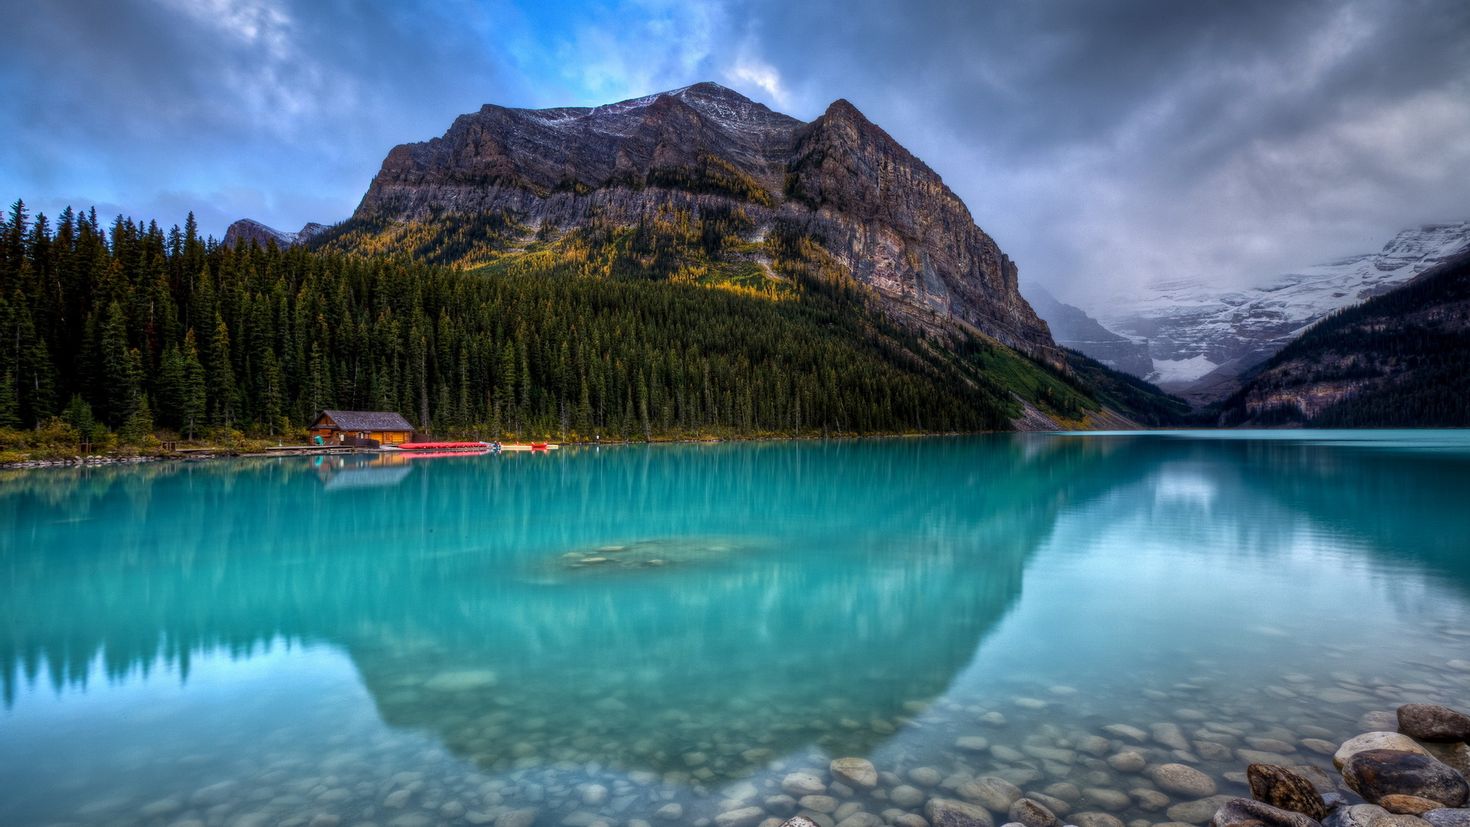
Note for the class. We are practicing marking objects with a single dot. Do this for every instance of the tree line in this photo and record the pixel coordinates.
(133, 329)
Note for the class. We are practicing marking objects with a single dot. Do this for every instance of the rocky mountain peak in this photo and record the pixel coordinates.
(705, 149)
(251, 231)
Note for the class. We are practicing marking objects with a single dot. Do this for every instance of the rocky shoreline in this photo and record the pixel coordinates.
(1411, 776)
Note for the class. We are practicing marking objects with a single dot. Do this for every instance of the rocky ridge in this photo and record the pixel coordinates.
(249, 231)
(883, 215)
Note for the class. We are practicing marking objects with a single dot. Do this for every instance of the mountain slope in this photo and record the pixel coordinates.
(1400, 359)
(1202, 339)
(1072, 328)
(714, 164)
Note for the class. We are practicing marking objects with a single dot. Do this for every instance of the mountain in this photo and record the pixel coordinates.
(1399, 359)
(754, 188)
(1203, 339)
(249, 231)
(1072, 328)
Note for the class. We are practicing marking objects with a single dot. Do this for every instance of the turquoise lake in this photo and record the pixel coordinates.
(664, 634)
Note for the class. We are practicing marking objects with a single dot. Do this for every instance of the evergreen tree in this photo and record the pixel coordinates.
(193, 398)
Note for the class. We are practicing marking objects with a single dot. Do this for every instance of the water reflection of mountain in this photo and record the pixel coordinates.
(438, 588)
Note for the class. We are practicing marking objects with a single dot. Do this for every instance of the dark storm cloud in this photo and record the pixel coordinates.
(1104, 144)
(1119, 142)
(231, 107)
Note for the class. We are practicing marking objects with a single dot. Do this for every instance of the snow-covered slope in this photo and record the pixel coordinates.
(1202, 338)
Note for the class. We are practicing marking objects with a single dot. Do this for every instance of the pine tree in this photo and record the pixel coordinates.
(193, 397)
(9, 402)
(221, 375)
(119, 381)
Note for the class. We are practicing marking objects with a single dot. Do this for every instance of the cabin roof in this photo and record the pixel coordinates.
(367, 420)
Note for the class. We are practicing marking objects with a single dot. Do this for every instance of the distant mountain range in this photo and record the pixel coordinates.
(1199, 341)
(1399, 359)
(1202, 339)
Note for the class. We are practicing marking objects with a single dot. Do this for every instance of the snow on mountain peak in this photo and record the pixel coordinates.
(1200, 335)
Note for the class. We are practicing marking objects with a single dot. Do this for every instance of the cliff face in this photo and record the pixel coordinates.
(881, 213)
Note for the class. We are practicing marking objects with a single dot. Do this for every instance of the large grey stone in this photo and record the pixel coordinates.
(1285, 790)
(1432, 722)
(858, 772)
(1446, 817)
(1183, 780)
(947, 812)
(1373, 740)
(1244, 812)
(1376, 773)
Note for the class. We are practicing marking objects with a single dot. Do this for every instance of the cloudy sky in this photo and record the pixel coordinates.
(1103, 144)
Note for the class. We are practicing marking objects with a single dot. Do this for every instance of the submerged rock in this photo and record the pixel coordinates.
(1183, 780)
(1286, 790)
(1032, 814)
(1244, 812)
(1376, 773)
(994, 793)
(858, 772)
(947, 812)
(802, 783)
(1432, 722)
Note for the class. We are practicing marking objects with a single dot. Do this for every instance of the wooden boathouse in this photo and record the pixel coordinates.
(354, 427)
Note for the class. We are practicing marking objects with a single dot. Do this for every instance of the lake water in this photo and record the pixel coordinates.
(666, 633)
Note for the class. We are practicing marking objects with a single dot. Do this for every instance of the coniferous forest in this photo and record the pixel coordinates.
(130, 330)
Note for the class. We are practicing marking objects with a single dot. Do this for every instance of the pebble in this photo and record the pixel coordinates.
(673, 811)
(1132, 733)
(1199, 811)
(1183, 780)
(1243, 812)
(524, 817)
(971, 743)
(1032, 814)
(1432, 722)
(1411, 805)
(1104, 798)
(1448, 818)
(990, 791)
(946, 812)
(742, 817)
(1170, 735)
(818, 803)
(1128, 761)
(858, 772)
(906, 796)
(925, 776)
(1150, 800)
(802, 783)
(1094, 819)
